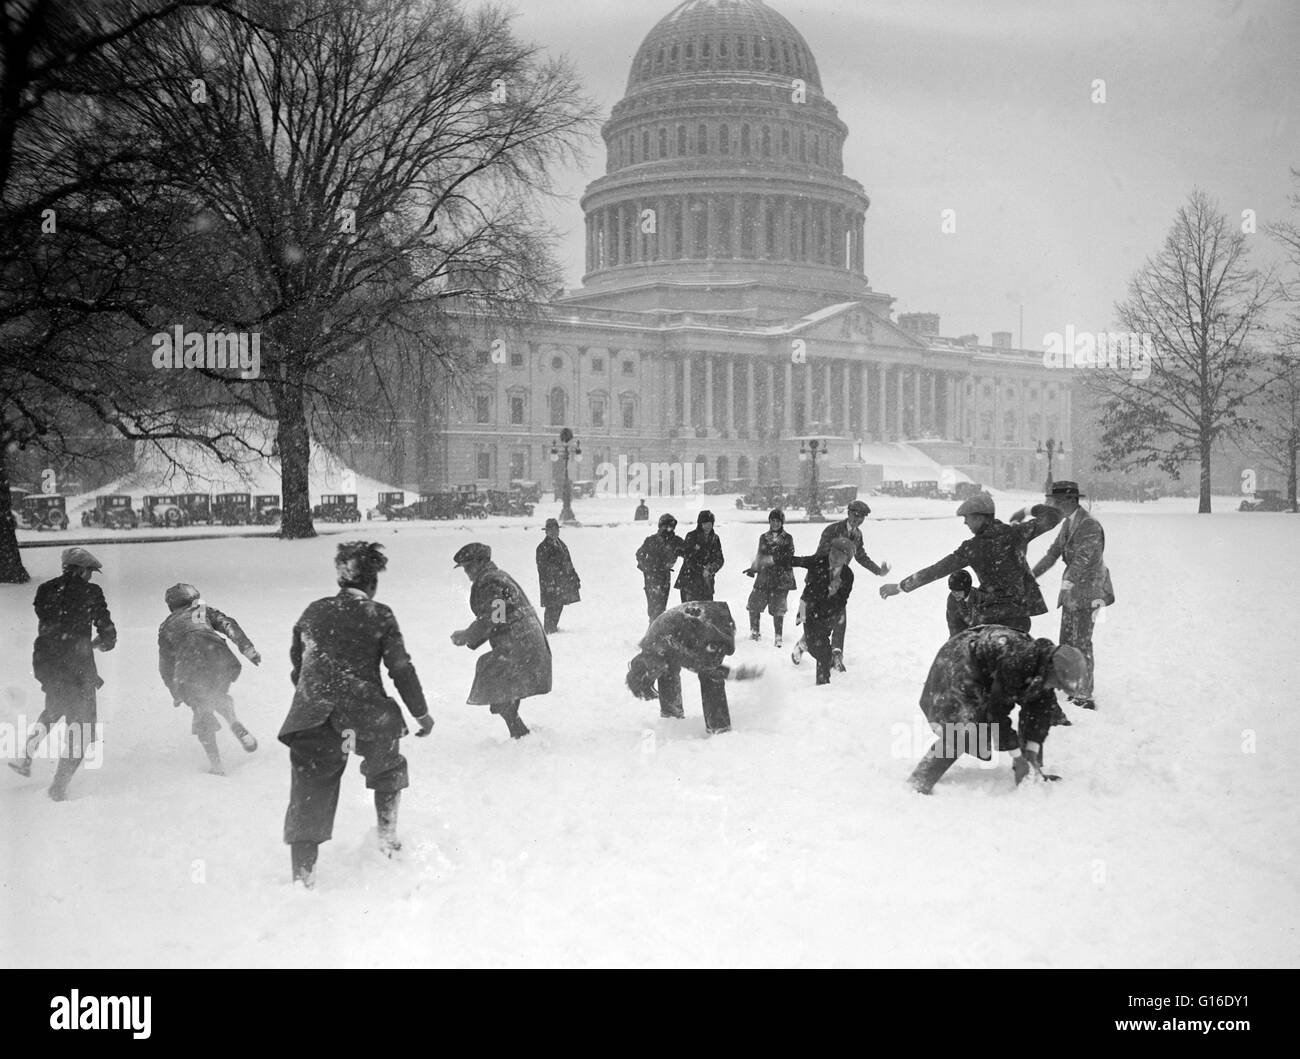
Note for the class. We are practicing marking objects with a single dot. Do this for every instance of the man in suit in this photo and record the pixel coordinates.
(1085, 585)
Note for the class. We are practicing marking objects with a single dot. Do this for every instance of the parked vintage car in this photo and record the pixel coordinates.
(1265, 500)
(111, 512)
(197, 508)
(501, 502)
(529, 492)
(42, 511)
(167, 511)
(233, 509)
(762, 498)
(839, 497)
(583, 488)
(337, 507)
(391, 505)
(266, 509)
(469, 504)
(439, 505)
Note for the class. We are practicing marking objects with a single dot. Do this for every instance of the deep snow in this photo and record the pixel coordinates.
(613, 837)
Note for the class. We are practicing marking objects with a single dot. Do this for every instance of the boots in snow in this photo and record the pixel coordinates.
(386, 803)
(837, 659)
(796, 656)
(209, 743)
(244, 736)
(303, 857)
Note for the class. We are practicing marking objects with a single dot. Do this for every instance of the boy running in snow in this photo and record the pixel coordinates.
(198, 667)
(773, 576)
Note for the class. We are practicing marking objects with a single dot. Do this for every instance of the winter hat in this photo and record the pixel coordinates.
(859, 507)
(1069, 668)
(359, 562)
(179, 595)
(778, 514)
(979, 504)
(667, 520)
(80, 557)
(1066, 490)
(552, 523)
(472, 553)
(844, 546)
(703, 517)
(960, 581)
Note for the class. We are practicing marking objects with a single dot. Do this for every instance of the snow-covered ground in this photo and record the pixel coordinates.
(613, 837)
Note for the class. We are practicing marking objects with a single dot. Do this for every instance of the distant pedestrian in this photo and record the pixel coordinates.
(655, 559)
(701, 560)
(1085, 584)
(642, 513)
(519, 663)
(558, 580)
(340, 707)
(198, 668)
(773, 576)
(63, 661)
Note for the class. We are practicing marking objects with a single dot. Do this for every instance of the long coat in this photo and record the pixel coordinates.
(62, 657)
(774, 562)
(656, 557)
(192, 648)
(1082, 543)
(701, 560)
(680, 635)
(558, 580)
(519, 664)
(1008, 589)
(843, 529)
(822, 606)
(980, 674)
(337, 647)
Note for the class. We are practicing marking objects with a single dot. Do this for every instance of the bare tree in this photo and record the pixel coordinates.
(363, 163)
(1202, 306)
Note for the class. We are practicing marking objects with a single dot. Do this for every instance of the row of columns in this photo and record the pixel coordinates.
(923, 400)
(692, 226)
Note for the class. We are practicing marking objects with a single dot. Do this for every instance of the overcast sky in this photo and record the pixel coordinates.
(984, 107)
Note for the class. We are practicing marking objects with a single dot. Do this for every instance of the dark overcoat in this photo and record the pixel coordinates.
(63, 661)
(338, 644)
(558, 580)
(519, 664)
(1082, 544)
(982, 673)
(701, 560)
(1008, 590)
(843, 529)
(774, 562)
(192, 650)
(824, 605)
(681, 634)
(656, 557)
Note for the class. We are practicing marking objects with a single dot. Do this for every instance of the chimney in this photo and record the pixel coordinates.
(919, 323)
(969, 340)
(1001, 339)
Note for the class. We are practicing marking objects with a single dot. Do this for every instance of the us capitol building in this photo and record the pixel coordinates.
(726, 312)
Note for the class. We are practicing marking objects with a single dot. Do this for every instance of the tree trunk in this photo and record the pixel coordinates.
(12, 571)
(1204, 509)
(295, 462)
(1293, 450)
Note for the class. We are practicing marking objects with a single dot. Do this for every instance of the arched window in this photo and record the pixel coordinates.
(803, 147)
(744, 140)
(785, 143)
(767, 142)
(681, 140)
(742, 466)
(722, 48)
(645, 145)
(702, 140)
(706, 50)
(559, 406)
(663, 143)
(817, 150)
(689, 53)
(720, 468)
(724, 139)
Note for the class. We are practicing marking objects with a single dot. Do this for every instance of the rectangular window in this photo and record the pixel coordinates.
(629, 415)
(519, 465)
(516, 359)
(484, 357)
(517, 411)
(485, 465)
(629, 367)
(482, 408)
(597, 363)
(598, 412)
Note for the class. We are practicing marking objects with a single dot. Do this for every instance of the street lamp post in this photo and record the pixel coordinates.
(809, 453)
(559, 452)
(1053, 448)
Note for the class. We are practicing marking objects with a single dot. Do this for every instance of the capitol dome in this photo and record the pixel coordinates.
(724, 185)
(734, 36)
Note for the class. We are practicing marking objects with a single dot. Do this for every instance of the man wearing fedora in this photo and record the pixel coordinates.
(1085, 585)
(558, 581)
(519, 663)
(63, 660)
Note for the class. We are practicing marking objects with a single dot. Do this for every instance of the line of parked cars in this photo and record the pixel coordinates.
(831, 496)
(117, 511)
